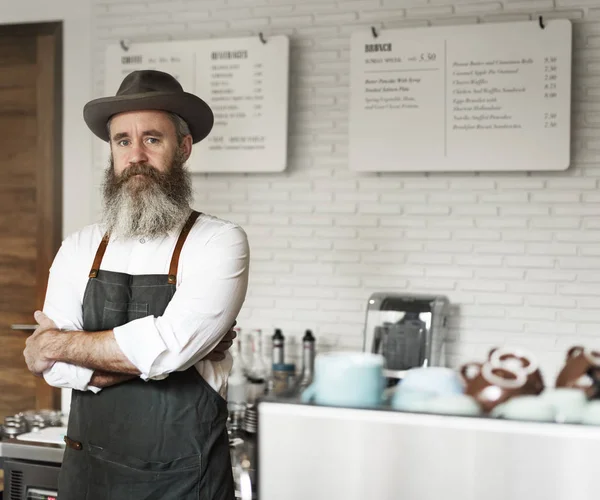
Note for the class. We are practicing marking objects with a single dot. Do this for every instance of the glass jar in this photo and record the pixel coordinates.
(284, 375)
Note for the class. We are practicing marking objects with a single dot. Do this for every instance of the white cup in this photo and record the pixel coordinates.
(526, 408)
(411, 400)
(437, 380)
(453, 404)
(569, 403)
(591, 413)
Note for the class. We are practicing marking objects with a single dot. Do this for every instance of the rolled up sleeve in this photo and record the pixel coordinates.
(67, 376)
(208, 298)
(63, 306)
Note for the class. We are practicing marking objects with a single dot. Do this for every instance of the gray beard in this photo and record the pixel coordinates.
(150, 210)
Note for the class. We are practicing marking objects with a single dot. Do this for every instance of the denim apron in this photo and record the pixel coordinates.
(144, 440)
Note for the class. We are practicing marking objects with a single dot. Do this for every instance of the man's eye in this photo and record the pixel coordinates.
(152, 140)
(123, 142)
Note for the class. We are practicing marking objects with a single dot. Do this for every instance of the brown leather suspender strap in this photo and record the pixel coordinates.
(99, 255)
(172, 278)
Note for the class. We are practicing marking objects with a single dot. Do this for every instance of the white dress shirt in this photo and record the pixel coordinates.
(212, 279)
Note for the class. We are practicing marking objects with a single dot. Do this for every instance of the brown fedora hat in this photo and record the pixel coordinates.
(150, 89)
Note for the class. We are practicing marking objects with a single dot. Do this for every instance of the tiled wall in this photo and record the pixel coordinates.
(519, 253)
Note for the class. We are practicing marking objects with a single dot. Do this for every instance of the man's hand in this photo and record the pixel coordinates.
(106, 379)
(37, 346)
(218, 353)
(94, 350)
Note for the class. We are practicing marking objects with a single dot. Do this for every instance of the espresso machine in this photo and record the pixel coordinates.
(408, 330)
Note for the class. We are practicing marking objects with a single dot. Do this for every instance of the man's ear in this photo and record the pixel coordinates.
(186, 145)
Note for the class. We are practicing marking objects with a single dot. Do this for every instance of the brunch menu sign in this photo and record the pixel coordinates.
(244, 81)
(461, 98)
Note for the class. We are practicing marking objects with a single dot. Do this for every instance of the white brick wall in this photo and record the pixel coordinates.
(518, 253)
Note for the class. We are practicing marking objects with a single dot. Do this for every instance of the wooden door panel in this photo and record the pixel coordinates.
(11, 227)
(18, 164)
(30, 199)
(21, 247)
(18, 100)
(18, 49)
(19, 75)
(18, 169)
(18, 388)
(23, 273)
(19, 199)
(13, 318)
(19, 304)
(24, 123)
(10, 344)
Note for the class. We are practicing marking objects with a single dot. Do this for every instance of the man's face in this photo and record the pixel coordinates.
(144, 137)
(147, 190)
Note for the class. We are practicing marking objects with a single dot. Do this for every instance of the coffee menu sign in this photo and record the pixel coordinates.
(461, 98)
(245, 82)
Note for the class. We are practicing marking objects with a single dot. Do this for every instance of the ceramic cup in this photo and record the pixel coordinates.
(411, 400)
(591, 413)
(520, 359)
(491, 385)
(436, 380)
(526, 407)
(569, 403)
(353, 379)
(453, 404)
(581, 370)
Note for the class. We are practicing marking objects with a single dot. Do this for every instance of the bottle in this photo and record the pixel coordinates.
(308, 361)
(258, 371)
(284, 375)
(245, 350)
(236, 383)
(267, 353)
(278, 353)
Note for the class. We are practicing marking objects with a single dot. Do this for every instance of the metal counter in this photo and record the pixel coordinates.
(324, 453)
(29, 450)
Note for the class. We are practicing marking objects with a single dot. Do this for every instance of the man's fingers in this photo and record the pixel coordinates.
(225, 344)
(230, 335)
(215, 356)
(218, 353)
(40, 317)
(43, 320)
(31, 364)
(222, 346)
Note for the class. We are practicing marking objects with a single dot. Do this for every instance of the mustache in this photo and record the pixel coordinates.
(139, 169)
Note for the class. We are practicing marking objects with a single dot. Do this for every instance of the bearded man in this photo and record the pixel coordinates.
(139, 310)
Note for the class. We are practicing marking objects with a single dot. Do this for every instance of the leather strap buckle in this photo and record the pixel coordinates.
(71, 443)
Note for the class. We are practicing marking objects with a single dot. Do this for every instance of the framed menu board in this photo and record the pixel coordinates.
(461, 98)
(245, 82)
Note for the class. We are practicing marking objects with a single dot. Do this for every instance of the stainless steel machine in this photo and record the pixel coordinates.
(30, 469)
(31, 450)
(408, 330)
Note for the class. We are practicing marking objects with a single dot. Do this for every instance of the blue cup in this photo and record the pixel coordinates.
(410, 400)
(352, 379)
(420, 385)
(436, 380)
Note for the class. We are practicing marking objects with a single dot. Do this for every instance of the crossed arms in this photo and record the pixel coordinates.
(194, 326)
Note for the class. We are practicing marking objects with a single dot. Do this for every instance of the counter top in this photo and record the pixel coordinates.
(354, 454)
(30, 450)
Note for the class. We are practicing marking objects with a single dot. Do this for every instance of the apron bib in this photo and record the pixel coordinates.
(160, 439)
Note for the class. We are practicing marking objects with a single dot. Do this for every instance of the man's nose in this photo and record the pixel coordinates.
(138, 153)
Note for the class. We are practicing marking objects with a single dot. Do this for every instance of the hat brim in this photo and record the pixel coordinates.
(196, 113)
